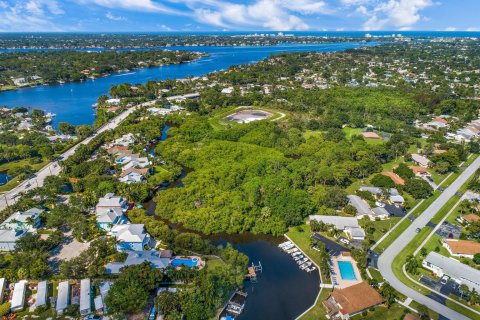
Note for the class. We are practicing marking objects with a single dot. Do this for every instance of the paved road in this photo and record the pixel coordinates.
(53, 168)
(386, 258)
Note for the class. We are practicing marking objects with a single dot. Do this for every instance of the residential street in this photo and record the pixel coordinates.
(53, 168)
(386, 259)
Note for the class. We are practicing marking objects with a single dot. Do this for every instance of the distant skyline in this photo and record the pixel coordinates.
(235, 15)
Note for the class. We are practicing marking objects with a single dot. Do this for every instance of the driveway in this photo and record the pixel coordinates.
(386, 259)
(332, 247)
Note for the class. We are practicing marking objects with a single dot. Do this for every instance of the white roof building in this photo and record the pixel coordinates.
(348, 224)
(63, 299)
(85, 296)
(457, 271)
(361, 205)
(42, 292)
(18, 297)
(125, 140)
(27, 220)
(110, 201)
(421, 160)
(3, 282)
(379, 212)
(138, 257)
(9, 237)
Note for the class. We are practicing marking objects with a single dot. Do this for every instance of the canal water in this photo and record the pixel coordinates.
(72, 102)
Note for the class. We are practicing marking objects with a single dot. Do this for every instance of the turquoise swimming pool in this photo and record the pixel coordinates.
(184, 262)
(346, 270)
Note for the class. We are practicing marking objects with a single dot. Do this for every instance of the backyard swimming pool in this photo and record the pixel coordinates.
(346, 270)
(189, 262)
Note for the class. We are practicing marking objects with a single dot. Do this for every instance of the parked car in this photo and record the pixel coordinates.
(444, 280)
(343, 240)
(418, 230)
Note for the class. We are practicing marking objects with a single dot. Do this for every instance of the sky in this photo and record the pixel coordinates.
(237, 15)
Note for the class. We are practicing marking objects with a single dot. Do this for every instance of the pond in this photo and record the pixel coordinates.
(4, 178)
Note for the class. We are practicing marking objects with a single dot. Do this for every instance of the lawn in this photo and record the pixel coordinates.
(381, 226)
(318, 311)
(219, 123)
(349, 132)
(396, 311)
(375, 274)
(13, 165)
(392, 236)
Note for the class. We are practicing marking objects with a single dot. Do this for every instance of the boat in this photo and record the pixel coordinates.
(299, 262)
(300, 257)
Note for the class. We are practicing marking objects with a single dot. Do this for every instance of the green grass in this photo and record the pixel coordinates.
(396, 311)
(302, 240)
(392, 236)
(318, 311)
(452, 305)
(219, 123)
(349, 132)
(376, 274)
(13, 165)
(213, 263)
(382, 226)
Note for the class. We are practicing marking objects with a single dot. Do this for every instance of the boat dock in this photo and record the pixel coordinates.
(303, 262)
(234, 306)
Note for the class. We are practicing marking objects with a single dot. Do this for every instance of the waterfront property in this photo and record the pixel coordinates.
(347, 302)
(247, 116)
(157, 259)
(462, 248)
(344, 271)
(108, 217)
(18, 298)
(110, 201)
(348, 224)
(457, 271)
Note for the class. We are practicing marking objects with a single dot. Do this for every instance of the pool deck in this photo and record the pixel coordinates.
(336, 276)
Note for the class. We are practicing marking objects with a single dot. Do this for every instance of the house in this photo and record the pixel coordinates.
(370, 135)
(462, 248)
(155, 258)
(133, 175)
(18, 298)
(469, 218)
(3, 283)
(137, 162)
(228, 90)
(28, 220)
(395, 177)
(348, 224)
(419, 171)
(63, 299)
(420, 160)
(108, 217)
(363, 209)
(347, 302)
(115, 150)
(42, 293)
(373, 190)
(8, 238)
(111, 202)
(397, 199)
(131, 237)
(380, 213)
(125, 140)
(103, 287)
(457, 271)
(85, 297)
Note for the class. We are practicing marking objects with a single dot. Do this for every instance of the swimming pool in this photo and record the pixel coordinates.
(184, 262)
(346, 270)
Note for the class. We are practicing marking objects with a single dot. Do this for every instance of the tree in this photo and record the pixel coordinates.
(418, 188)
(404, 171)
(83, 131)
(167, 302)
(381, 181)
(411, 264)
(388, 293)
(476, 258)
(66, 128)
(423, 312)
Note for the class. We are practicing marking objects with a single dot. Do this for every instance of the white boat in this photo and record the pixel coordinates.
(310, 269)
(305, 265)
(296, 253)
(298, 257)
(299, 262)
(292, 250)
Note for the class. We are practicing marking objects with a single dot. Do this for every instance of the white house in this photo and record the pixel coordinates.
(27, 220)
(3, 282)
(457, 271)
(133, 175)
(110, 201)
(18, 298)
(63, 299)
(131, 237)
(348, 224)
(363, 209)
(125, 140)
(42, 293)
(421, 160)
(85, 296)
(108, 217)
(380, 213)
(9, 237)
(136, 162)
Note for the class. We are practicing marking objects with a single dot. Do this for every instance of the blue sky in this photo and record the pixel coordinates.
(236, 15)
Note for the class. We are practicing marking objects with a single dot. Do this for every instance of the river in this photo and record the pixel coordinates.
(283, 291)
(72, 102)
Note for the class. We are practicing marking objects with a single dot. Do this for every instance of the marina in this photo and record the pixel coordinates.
(303, 262)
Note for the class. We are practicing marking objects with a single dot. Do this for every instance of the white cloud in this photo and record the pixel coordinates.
(31, 15)
(450, 29)
(472, 29)
(397, 14)
(111, 16)
(135, 5)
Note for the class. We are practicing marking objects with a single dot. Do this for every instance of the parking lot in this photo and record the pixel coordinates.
(449, 231)
(332, 247)
(451, 287)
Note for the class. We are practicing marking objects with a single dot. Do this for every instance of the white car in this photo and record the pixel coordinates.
(380, 204)
(343, 240)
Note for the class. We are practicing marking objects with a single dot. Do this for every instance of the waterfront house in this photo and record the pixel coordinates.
(42, 293)
(457, 271)
(110, 201)
(362, 207)
(352, 300)
(155, 258)
(420, 160)
(27, 220)
(133, 175)
(125, 140)
(85, 297)
(116, 150)
(9, 237)
(131, 237)
(347, 224)
(462, 248)
(18, 298)
(136, 162)
(63, 298)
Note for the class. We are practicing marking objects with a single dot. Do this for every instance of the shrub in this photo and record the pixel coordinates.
(4, 309)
